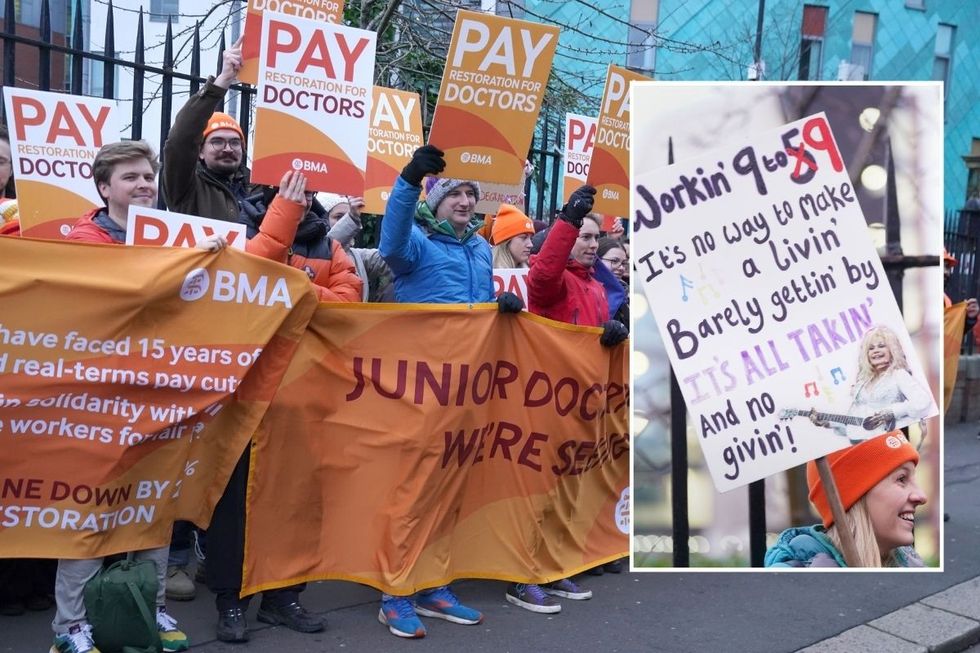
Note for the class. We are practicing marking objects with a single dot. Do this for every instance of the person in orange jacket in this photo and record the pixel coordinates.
(288, 232)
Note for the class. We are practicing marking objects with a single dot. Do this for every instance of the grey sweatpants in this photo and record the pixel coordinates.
(69, 586)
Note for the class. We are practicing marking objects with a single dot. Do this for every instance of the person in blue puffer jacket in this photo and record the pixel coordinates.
(436, 257)
(432, 246)
(876, 483)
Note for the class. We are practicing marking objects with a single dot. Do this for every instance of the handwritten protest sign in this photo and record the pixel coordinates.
(772, 301)
(120, 419)
(510, 280)
(396, 132)
(493, 195)
(610, 163)
(330, 11)
(166, 229)
(580, 132)
(468, 461)
(313, 109)
(491, 93)
(53, 140)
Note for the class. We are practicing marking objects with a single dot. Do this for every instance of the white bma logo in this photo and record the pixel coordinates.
(465, 157)
(195, 285)
(623, 512)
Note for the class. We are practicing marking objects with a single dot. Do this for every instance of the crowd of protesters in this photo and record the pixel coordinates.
(430, 251)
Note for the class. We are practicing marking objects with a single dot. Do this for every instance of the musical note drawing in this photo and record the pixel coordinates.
(811, 385)
(707, 288)
(833, 374)
(685, 284)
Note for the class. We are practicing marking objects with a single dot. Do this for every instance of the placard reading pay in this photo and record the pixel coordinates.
(776, 313)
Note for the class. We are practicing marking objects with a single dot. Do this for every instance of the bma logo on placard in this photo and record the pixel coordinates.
(476, 157)
(309, 166)
(236, 288)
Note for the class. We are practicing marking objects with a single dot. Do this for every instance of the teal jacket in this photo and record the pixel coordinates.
(809, 546)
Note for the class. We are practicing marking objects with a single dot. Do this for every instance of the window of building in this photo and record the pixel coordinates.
(28, 12)
(161, 10)
(863, 40)
(642, 52)
(511, 8)
(944, 55)
(811, 45)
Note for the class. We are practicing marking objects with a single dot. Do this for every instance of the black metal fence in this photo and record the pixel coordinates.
(545, 152)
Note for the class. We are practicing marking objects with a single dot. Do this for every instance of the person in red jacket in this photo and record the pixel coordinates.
(125, 174)
(561, 284)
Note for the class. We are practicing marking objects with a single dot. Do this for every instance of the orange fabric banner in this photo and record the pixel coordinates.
(411, 445)
(116, 369)
(610, 164)
(954, 321)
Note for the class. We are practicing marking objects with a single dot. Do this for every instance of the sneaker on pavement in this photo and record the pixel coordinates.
(232, 626)
(180, 587)
(441, 603)
(171, 638)
(78, 639)
(568, 589)
(291, 615)
(398, 614)
(531, 597)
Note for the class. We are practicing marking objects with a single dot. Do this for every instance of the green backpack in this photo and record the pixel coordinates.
(120, 602)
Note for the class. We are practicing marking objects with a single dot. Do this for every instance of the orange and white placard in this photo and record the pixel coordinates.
(396, 132)
(314, 103)
(492, 88)
(167, 229)
(609, 170)
(580, 134)
(53, 140)
(321, 11)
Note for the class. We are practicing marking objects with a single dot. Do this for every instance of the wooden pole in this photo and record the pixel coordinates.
(837, 510)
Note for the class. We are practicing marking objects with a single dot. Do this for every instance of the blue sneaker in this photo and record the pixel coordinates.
(441, 603)
(398, 614)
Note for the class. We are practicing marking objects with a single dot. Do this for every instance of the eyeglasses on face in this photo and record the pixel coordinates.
(615, 262)
(219, 144)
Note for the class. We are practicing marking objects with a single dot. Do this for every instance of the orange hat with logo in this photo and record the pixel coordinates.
(859, 468)
(510, 222)
(219, 120)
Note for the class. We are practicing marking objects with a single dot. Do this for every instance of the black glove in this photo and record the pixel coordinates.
(427, 159)
(508, 302)
(613, 333)
(578, 206)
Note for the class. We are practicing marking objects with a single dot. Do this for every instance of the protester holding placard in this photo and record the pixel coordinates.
(562, 284)
(204, 172)
(344, 218)
(288, 232)
(124, 174)
(878, 491)
(437, 257)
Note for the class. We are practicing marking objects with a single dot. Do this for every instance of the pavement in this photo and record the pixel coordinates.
(779, 612)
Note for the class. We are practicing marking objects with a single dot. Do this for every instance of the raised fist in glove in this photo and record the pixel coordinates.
(578, 206)
(426, 160)
(613, 333)
(508, 302)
